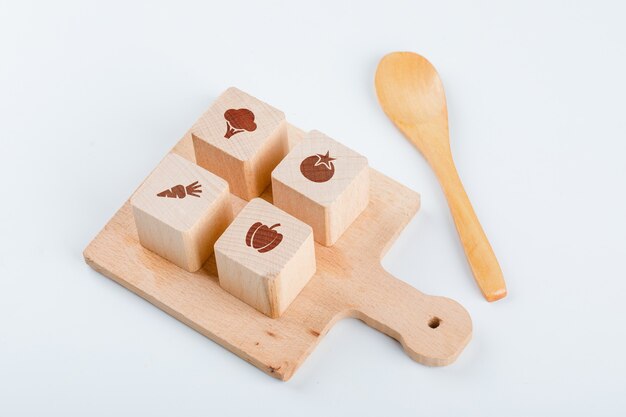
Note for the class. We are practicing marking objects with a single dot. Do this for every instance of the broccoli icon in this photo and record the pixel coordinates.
(238, 120)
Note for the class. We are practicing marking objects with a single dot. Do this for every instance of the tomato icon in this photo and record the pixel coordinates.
(318, 168)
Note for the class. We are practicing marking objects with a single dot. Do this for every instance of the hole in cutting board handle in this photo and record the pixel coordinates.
(434, 322)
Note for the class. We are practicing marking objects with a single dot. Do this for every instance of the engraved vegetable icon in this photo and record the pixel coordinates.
(318, 168)
(180, 191)
(263, 238)
(238, 120)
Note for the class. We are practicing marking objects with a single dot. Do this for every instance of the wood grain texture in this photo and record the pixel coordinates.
(241, 139)
(349, 282)
(180, 210)
(265, 257)
(324, 184)
(411, 94)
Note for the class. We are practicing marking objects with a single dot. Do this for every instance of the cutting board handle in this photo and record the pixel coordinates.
(432, 330)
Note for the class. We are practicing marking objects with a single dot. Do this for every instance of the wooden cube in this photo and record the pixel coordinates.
(265, 257)
(180, 210)
(241, 139)
(324, 184)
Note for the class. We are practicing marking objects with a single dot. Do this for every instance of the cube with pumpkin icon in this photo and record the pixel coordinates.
(323, 183)
(241, 139)
(265, 257)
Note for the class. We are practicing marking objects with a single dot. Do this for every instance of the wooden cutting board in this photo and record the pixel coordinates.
(349, 282)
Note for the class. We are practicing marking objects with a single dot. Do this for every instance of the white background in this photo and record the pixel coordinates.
(93, 95)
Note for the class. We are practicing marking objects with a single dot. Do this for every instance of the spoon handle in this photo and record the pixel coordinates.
(478, 251)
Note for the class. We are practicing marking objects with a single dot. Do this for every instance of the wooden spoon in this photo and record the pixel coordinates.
(411, 94)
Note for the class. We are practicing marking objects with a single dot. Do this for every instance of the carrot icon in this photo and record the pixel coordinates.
(180, 191)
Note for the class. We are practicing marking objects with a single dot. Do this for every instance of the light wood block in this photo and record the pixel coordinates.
(180, 210)
(265, 257)
(241, 139)
(349, 282)
(323, 183)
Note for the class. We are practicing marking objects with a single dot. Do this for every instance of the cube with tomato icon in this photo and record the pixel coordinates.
(323, 183)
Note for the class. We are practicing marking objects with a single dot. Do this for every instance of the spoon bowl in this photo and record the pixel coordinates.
(411, 73)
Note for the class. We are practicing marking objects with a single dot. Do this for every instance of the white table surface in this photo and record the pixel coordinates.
(92, 95)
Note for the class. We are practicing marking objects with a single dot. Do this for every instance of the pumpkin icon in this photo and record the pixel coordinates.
(318, 168)
(263, 238)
